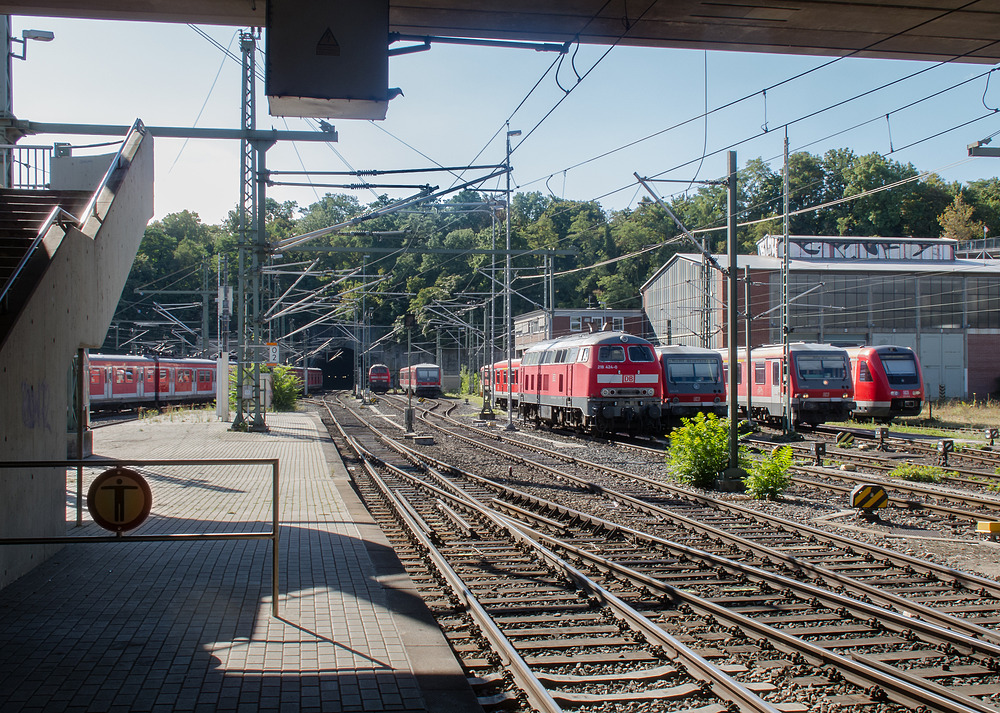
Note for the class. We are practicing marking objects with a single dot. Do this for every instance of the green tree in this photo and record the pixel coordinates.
(957, 222)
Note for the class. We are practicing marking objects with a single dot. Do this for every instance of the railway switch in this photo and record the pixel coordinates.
(945, 447)
(869, 496)
(819, 451)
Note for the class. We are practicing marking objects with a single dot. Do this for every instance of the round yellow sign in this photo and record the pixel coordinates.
(119, 499)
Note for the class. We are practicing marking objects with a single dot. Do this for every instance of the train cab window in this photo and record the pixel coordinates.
(775, 372)
(584, 355)
(611, 353)
(864, 373)
(759, 372)
(640, 352)
(901, 370)
(692, 371)
(821, 367)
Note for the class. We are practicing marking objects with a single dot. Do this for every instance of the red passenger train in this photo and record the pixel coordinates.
(692, 381)
(128, 381)
(379, 378)
(601, 382)
(820, 383)
(421, 380)
(888, 382)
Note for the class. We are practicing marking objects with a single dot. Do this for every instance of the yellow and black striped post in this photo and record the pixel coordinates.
(869, 496)
(845, 439)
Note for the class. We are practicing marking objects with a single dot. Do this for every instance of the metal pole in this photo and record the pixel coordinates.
(6, 101)
(787, 420)
(746, 307)
(733, 471)
(81, 429)
(275, 550)
(508, 307)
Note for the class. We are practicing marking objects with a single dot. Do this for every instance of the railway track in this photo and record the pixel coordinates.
(814, 598)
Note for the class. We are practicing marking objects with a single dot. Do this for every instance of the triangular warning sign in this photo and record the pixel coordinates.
(328, 45)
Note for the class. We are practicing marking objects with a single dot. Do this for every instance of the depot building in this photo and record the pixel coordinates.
(911, 292)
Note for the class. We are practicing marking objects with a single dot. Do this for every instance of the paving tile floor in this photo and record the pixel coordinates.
(187, 625)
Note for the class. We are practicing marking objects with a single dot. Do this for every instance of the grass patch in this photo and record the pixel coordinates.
(920, 473)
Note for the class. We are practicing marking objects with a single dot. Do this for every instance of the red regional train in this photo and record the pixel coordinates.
(821, 388)
(692, 381)
(500, 373)
(379, 378)
(127, 381)
(602, 381)
(421, 380)
(888, 382)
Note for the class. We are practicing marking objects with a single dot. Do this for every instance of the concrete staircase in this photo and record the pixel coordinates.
(23, 214)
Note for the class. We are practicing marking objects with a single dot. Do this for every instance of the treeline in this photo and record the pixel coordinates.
(416, 260)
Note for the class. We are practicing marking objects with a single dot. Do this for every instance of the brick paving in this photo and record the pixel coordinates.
(187, 625)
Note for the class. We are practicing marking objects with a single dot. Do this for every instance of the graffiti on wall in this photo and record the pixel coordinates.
(35, 405)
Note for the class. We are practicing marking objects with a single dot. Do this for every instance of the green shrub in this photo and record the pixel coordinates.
(919, 473)
(769, 477)
(699, 450)
(285, 388)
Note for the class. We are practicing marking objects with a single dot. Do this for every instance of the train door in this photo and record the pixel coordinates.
(776, 386)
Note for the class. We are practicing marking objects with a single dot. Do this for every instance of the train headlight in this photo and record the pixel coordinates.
(802, 396)
(675, 400)
(605, 392)
(894, 393)
(846, 396)
(717, 399)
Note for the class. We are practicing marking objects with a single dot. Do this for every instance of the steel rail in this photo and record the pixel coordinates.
(938, 617)
(915, 692)
(722, 684)
(945, 573)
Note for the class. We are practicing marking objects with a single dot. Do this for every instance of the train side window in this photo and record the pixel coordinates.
(759, 372)
(572, 354)
(95, 376)
(611, 353)
(119, 376)
(864, 374)
(545, 382)
(560, 383)
(584, 355)
(775, 372)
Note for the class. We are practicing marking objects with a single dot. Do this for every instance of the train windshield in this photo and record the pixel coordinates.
(900, 369)
(818, 367)
(640, 352)
(693, 371)
(611, 353)
(427, 374)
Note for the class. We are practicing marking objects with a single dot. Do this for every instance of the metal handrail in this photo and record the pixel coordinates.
(137, 127)
(273, 535)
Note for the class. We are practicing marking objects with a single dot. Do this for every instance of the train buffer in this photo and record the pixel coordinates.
(989, 528)
(868, 497)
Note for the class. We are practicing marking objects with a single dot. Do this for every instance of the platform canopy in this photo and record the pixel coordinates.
(938, 30)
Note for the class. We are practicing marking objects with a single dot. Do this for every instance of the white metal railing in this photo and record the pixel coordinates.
(26, 166)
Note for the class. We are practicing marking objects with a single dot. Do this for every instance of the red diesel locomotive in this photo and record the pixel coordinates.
(379, 378)
(820, 383)
(888, 382)
(603, 381)
(692, 382)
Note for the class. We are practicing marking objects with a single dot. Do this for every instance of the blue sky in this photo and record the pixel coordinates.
(457, 99)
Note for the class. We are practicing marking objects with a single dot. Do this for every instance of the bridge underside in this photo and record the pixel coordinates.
(940, 30)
